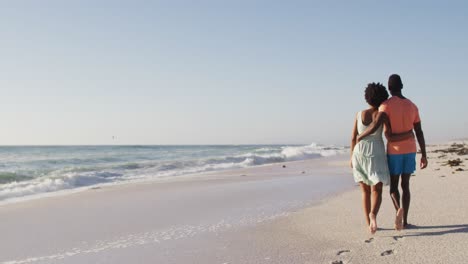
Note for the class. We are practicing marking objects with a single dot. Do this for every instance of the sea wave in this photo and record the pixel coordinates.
(66, 174)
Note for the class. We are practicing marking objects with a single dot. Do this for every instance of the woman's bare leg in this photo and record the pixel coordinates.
(376, 201)
(366, 200)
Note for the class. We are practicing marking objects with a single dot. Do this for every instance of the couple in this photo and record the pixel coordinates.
(374, 167)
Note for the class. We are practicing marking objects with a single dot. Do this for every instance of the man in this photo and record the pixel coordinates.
(403, 116)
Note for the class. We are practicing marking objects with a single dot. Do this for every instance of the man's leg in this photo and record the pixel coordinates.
(406, 196)
(394, 193)
(395, 166)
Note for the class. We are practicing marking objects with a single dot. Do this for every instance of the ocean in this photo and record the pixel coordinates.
(27, 171)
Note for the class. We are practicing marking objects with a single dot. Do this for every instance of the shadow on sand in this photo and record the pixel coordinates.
(448, 229)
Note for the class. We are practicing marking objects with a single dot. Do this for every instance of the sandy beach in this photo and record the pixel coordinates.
(266, 214)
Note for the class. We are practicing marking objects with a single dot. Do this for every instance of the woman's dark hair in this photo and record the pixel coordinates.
(375, 94)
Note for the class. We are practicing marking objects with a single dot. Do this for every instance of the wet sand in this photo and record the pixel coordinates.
(166, 221)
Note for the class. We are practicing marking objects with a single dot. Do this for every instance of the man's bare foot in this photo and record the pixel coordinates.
(407, 226)
(399, 219)
(373, 223)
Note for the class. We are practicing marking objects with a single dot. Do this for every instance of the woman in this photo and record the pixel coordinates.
(368, 156)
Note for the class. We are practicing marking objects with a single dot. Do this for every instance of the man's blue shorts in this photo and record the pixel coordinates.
(401, 163)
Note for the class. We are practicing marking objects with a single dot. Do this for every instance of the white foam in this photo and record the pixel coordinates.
(48, 184)
(76, 177)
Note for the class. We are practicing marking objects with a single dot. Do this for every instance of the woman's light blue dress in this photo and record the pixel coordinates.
(369, 157)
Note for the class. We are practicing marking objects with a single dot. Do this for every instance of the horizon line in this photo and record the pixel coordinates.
(117, 145)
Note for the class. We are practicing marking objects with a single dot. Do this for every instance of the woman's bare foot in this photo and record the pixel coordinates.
(399, 219)
(373, 223)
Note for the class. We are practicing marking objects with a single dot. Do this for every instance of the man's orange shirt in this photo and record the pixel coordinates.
(403, 114)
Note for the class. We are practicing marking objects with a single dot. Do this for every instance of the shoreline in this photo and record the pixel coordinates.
(254, 173)
(206, 175)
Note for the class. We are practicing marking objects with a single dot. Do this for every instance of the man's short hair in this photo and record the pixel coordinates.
(394, 83)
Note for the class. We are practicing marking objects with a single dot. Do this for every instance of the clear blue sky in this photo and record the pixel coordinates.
(223, 72)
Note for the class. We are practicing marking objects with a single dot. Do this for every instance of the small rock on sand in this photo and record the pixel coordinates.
(453, 163)
(458, 149)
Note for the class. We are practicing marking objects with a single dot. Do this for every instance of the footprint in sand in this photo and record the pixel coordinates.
(341, 252)
(386, 253)
(369, 240)
(396, 238)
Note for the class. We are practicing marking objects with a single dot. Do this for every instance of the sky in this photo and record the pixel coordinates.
(223, 72)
